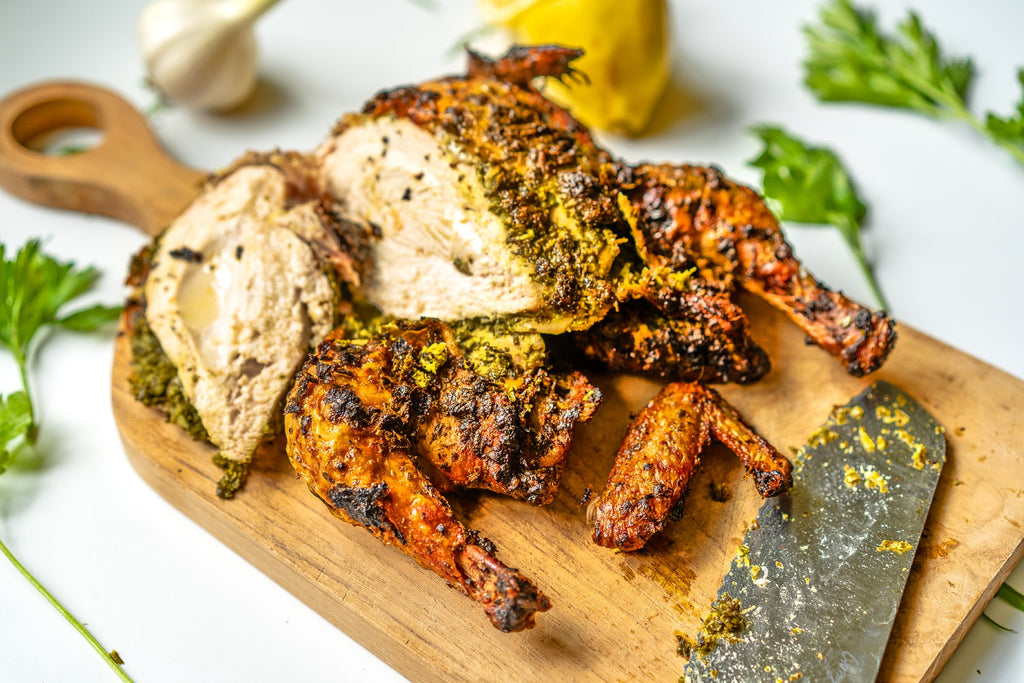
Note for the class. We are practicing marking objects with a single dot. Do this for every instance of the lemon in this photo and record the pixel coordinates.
(626, 54)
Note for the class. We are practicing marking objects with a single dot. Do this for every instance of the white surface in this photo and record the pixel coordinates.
(945, 229)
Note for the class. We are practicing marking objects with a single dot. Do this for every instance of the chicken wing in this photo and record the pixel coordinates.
(658, 456)
(348, 421)
(694, 214)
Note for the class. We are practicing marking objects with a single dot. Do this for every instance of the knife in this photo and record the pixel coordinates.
(820, 575)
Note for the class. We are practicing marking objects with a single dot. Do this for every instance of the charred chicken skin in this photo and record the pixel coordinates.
(695, 217)
(659, 454)
(362, 411)
(696, 334)
(478, 437)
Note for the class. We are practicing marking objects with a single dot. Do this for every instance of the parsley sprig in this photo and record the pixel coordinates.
(851, 60)
(34, 289)
(807, 184)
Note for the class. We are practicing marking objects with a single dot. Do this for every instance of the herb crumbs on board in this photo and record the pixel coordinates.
(725, 621)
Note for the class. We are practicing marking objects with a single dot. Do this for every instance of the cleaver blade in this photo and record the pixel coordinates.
(821, 574)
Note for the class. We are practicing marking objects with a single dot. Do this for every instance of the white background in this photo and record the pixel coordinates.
(946, 232)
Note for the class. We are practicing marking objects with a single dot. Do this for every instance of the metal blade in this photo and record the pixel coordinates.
(832, 557)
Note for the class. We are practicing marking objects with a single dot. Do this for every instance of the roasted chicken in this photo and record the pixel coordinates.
(363, 411)
(235, 293)
(693, 217)
(688, 332)
(486, 199)
(661, 449)
(479, 437)
(492, 218)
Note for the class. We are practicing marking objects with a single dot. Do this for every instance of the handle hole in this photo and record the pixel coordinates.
(67, 141)
(58, 127)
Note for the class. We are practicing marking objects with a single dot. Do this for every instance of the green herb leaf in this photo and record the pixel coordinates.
(15, 423)
(15, 416)
(89, 319)
(850, 60)
(34, 288)
(807, 184)
(1011, 596)
(1010, 130)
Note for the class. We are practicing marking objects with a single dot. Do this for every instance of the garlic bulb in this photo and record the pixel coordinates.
(201, 53)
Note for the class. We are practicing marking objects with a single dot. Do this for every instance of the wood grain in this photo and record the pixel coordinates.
(615, 614)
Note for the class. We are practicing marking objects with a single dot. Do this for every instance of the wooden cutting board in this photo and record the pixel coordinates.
(614, 615)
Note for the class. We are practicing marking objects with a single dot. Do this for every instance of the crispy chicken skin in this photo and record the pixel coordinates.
(348, 423)
(693, 216)
(509, 436)
(514, 442)
(661, 449)
(689, 333)
(641, 339)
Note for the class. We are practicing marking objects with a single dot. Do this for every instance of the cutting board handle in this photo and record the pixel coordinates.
(127, 175)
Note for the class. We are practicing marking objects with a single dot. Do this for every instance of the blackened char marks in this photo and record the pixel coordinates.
(364, 505)
(475, 538)
(516, 602)
(186, 254)
(344, 406)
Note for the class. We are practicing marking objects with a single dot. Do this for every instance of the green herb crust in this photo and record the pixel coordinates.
(155, 382)
(494, 350)
(235, 473)
(541, 174)
(725, 621)
(491, 347)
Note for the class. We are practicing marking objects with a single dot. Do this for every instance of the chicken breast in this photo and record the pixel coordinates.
(486, 199)
(240, 286)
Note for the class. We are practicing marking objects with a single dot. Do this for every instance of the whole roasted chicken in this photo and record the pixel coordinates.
(493, 209)
(493, 221)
